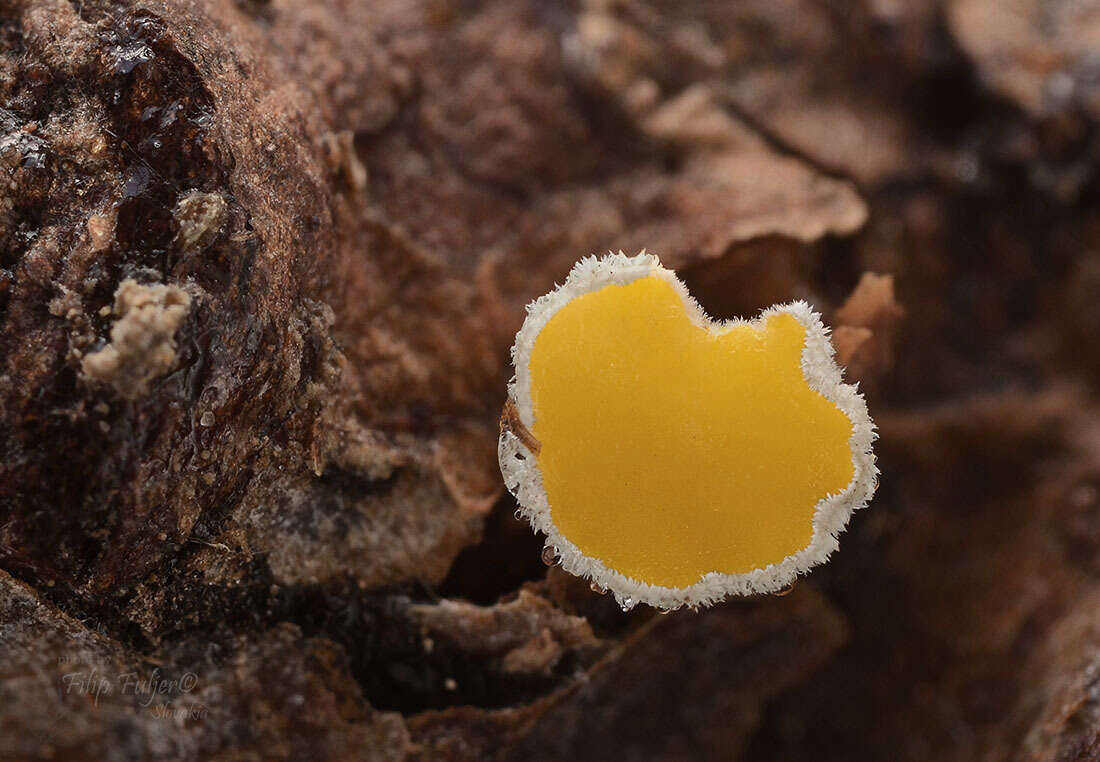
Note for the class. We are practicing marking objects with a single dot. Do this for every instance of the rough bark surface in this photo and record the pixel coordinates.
(261, 262)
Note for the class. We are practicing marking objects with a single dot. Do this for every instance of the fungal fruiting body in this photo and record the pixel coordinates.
(674, 460)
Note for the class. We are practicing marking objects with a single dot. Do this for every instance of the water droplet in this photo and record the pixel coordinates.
(626, 603)
(517, 514)
(597, 588)
(550, 555)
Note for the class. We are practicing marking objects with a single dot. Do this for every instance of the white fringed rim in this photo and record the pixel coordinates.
(831, 514)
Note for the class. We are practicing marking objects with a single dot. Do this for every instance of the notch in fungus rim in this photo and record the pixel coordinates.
(522, 477)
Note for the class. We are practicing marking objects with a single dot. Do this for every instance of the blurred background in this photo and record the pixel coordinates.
(266, 522)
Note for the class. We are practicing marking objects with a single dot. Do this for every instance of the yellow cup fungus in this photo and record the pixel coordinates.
(674, 460)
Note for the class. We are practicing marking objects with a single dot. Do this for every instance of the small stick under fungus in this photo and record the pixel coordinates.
(510, 421)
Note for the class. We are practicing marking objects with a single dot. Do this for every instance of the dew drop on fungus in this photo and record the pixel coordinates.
(626, 603)
(597, 588)
(550, 556)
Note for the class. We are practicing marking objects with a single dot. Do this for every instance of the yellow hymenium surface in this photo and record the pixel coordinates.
(669, 450)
